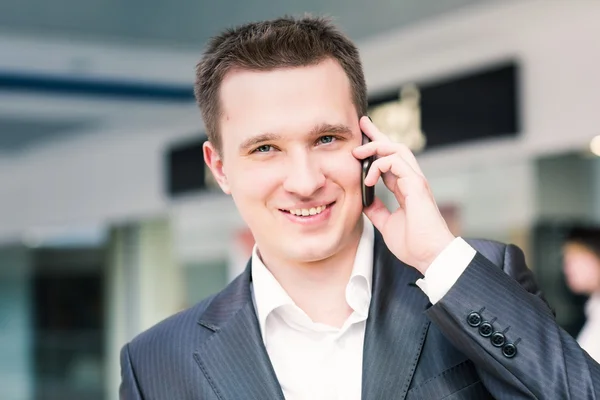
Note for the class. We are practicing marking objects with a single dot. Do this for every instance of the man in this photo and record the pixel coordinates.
(581, 266)
(335, 304)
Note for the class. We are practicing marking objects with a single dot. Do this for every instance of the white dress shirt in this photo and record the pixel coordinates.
(316, 361)
(589, 337)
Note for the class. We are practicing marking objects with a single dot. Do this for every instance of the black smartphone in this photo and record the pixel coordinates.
(368, 192)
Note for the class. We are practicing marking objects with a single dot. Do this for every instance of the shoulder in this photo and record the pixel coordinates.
(500, 254)
(176, 329)
(511, 259)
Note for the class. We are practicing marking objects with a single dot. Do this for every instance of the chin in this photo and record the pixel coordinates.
(311, 251)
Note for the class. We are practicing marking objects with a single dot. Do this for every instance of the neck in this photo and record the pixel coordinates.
(318, 287)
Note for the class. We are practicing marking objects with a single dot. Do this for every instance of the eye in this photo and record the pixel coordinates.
(263, 149)
(326, 139)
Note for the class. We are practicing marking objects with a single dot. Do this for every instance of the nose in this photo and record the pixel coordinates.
(304, 176)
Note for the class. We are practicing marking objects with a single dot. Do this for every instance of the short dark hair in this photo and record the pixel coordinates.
(268, 45)
(587, 236)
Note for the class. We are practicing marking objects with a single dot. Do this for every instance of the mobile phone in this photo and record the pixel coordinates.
(368, 192)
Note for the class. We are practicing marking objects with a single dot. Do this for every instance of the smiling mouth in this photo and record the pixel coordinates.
(307, 212)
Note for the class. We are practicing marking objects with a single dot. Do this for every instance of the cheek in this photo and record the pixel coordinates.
(585, 275)
(342, 168)
(595, 275)
(253, 182)
(587, 267)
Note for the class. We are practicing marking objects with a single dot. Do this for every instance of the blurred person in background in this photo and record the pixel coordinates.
(581, 253)
(340, 299)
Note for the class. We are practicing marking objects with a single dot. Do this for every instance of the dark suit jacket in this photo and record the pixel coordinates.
(412, 350)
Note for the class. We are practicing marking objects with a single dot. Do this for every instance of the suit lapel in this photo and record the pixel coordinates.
(396, 327)
(233, 358)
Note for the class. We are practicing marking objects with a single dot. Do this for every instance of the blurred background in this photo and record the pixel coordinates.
(109, 223)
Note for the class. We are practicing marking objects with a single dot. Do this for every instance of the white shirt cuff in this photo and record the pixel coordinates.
(446, 269)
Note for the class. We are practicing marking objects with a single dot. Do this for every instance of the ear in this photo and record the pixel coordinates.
(215, 162)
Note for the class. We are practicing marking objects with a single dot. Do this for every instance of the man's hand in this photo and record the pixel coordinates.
(415, 232)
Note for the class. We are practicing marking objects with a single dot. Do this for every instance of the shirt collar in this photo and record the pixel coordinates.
(268, 294)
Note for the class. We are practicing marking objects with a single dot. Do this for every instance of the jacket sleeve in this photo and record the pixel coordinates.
(499, 319)
(128, 389)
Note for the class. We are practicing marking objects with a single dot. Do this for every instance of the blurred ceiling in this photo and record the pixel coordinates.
(190, 23)
(186, 24)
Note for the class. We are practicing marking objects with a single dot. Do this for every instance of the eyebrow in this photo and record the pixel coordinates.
(320, 129)
(338, 129)
(255, 140)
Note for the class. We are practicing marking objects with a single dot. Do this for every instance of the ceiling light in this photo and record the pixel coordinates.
(595, 145)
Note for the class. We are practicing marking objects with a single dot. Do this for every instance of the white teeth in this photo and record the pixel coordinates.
(308, 211)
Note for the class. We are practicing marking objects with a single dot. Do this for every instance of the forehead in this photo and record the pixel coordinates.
(284, 100)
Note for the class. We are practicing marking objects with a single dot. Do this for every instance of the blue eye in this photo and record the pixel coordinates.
(326, 139)
(263, 149)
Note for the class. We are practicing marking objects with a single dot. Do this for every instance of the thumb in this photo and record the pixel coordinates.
(377, 213)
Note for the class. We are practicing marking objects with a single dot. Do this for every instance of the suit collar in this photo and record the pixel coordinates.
(234, 359)
(228, 302)
(396, 327)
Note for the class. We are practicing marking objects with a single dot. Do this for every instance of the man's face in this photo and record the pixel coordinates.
(582, 269)
(287, 137)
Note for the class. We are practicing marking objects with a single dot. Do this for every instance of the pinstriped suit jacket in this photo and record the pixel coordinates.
(412, 350)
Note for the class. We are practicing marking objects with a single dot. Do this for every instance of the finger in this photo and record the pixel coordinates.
(392, 163)
(368, 128)
(415, 185)
(406, 153)
(377, 213)
(382, 149)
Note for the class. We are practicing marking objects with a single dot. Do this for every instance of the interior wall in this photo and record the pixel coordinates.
(87, 182)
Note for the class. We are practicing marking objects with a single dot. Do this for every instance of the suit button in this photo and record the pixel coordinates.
(474, 319)
(498, 339)
(509, 350)
(485, 329)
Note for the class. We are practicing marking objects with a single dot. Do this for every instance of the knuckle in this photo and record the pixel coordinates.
(401, 147)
